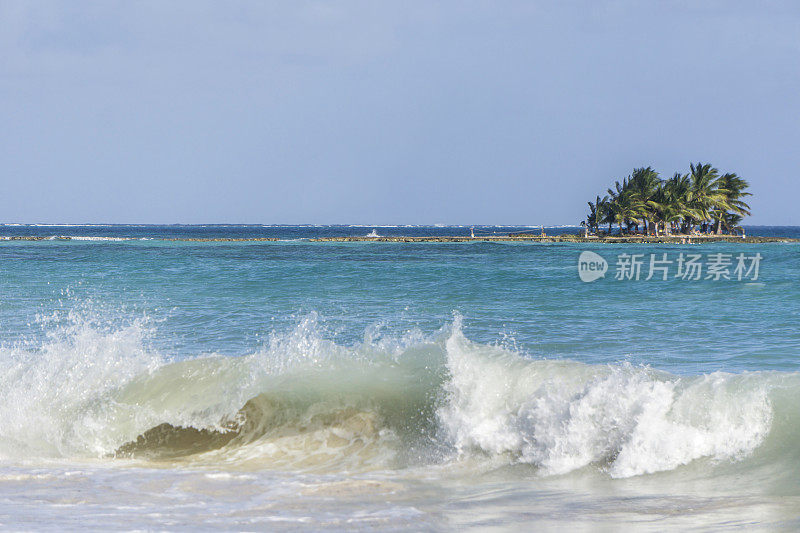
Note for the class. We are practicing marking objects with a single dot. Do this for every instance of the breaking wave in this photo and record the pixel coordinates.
(305, 402)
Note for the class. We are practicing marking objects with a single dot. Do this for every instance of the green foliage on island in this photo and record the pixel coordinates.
(702, 199)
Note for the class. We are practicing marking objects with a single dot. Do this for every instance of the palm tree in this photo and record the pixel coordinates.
(625, 212)
(591, 218)
(643, 184)
(732, 221)
(705, 196)
(597, 212)
(619, 208)
(662, 206)
(671, 199)
(733, 187)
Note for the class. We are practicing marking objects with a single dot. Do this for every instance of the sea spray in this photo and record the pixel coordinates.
(53, 400)
(305, 402)
(562, 416)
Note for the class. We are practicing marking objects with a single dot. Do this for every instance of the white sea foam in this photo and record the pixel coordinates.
(563, 416)
(307, 402)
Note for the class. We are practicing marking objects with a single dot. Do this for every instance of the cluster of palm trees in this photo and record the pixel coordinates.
(702, 198)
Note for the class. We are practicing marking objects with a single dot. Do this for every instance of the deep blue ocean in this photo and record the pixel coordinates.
(375, 385)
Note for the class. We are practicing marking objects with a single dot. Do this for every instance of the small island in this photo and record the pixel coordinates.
(699, 203)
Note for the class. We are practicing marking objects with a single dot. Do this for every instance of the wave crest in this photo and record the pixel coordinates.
(563, 416)
(306, 402)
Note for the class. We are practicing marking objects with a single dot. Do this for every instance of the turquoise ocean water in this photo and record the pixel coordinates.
(152, 383)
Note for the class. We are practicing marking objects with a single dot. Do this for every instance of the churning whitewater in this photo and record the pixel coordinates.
(306, 403)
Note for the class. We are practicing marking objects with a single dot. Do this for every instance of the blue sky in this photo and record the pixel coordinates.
(387, 112)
